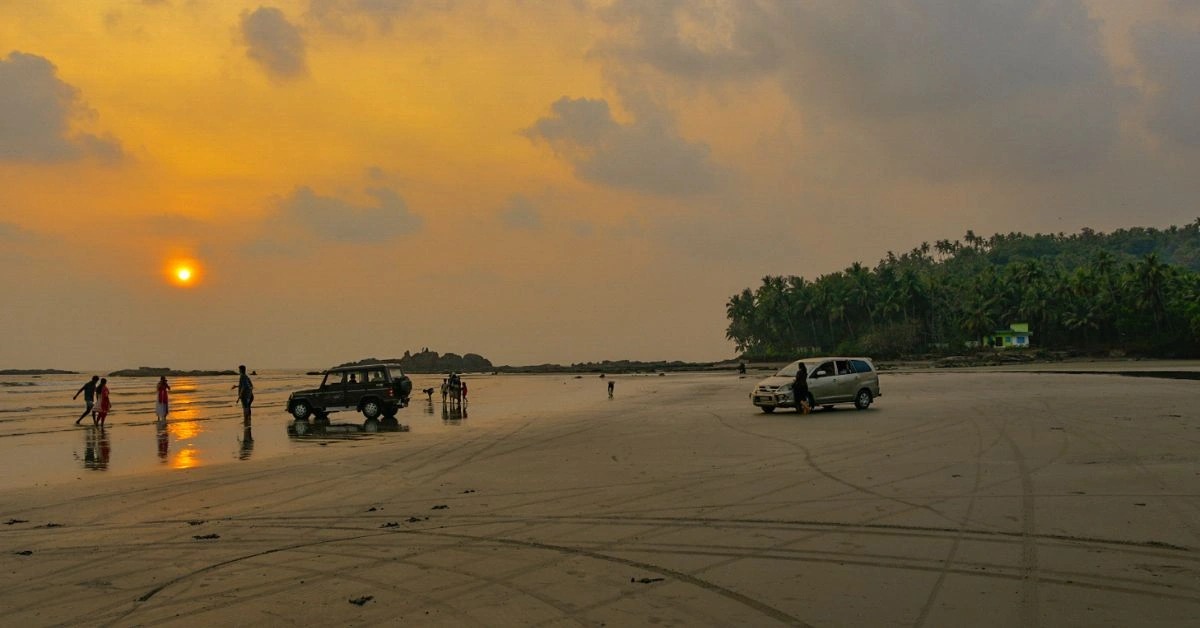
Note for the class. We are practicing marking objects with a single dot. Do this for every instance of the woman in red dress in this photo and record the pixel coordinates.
(160, 407)
(105, 404)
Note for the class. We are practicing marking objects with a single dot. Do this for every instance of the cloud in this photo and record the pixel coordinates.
(938, 89)
(1169, 57)
(274, 43)
(703, 41)
(36, 110)
(305, 217)
(520, 213)
(646, 154)
(15, 234)
(344, 16)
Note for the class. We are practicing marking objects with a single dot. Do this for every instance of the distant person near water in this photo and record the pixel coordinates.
(611, 386)
(105, 404)
(89, 397)
(160, 406)
(800, 390)
(245, 389)
(463, 386)
(445, 389)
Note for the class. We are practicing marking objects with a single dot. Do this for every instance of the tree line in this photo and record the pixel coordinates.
(1135, 290)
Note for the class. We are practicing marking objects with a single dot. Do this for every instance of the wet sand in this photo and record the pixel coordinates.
(965, 498)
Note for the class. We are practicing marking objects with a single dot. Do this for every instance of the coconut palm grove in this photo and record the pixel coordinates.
(1133, 291)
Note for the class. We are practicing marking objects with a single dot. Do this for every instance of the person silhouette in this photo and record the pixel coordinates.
(105, 403)
(245, 389)
(89, 397)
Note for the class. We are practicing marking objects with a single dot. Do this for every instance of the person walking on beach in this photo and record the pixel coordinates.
(105, 404)
(611, 386)
(445, 389)
(800, 390)
(89, 397)
(462, 384)
(160, 406)
(245, 390)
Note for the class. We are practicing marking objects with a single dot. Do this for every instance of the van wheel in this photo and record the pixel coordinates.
(862, 400)
(768, 409)
(371, 409)
(301, 410)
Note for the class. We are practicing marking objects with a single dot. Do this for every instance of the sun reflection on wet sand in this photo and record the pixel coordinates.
(188, 455)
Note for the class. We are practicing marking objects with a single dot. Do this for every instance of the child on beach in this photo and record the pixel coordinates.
(160, 406)
(105, 405)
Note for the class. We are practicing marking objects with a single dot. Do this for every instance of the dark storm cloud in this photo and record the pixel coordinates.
(520, 213)
(274, 43)
(332, 219)
(36, 108)
(646, 154)
(1169, 58)
(942, 89)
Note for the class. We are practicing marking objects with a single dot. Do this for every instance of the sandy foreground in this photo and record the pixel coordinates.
(959, 499)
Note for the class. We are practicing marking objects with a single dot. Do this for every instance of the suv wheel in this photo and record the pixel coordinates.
(301, 410)
(863, 399)
(371, 409)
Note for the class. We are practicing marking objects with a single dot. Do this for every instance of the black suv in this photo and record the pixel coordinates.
(373, 389)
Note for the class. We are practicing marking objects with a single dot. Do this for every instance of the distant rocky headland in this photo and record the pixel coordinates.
(428, 362)
(36, 372)
(157, 371)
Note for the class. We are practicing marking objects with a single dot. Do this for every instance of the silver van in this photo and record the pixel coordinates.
(830, 381)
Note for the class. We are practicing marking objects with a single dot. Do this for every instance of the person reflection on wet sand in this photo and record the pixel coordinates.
(96, 448)
(429, 405)
(453, 414)
(247, 444)
(164, 440)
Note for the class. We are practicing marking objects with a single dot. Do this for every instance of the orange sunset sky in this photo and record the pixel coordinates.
(542, 181)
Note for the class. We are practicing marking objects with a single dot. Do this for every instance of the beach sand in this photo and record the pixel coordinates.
(959, 499)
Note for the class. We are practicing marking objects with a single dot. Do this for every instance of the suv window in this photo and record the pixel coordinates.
(375, 376)
(860, 366)
(332, 380)
(843, 367)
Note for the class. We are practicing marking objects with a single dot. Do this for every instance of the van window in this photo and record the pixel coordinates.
(825, 370)
(860, 366)
(843, 367)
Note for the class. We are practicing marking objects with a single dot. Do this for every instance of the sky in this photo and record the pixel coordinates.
(538, 182)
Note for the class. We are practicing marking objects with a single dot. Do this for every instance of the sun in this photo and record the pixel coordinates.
(183, 273)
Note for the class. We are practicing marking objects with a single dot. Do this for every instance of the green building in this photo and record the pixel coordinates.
(1015, 337)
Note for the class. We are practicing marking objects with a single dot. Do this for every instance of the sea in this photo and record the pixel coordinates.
(41, 445)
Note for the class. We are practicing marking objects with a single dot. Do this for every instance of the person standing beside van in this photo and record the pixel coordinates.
(800, 389)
